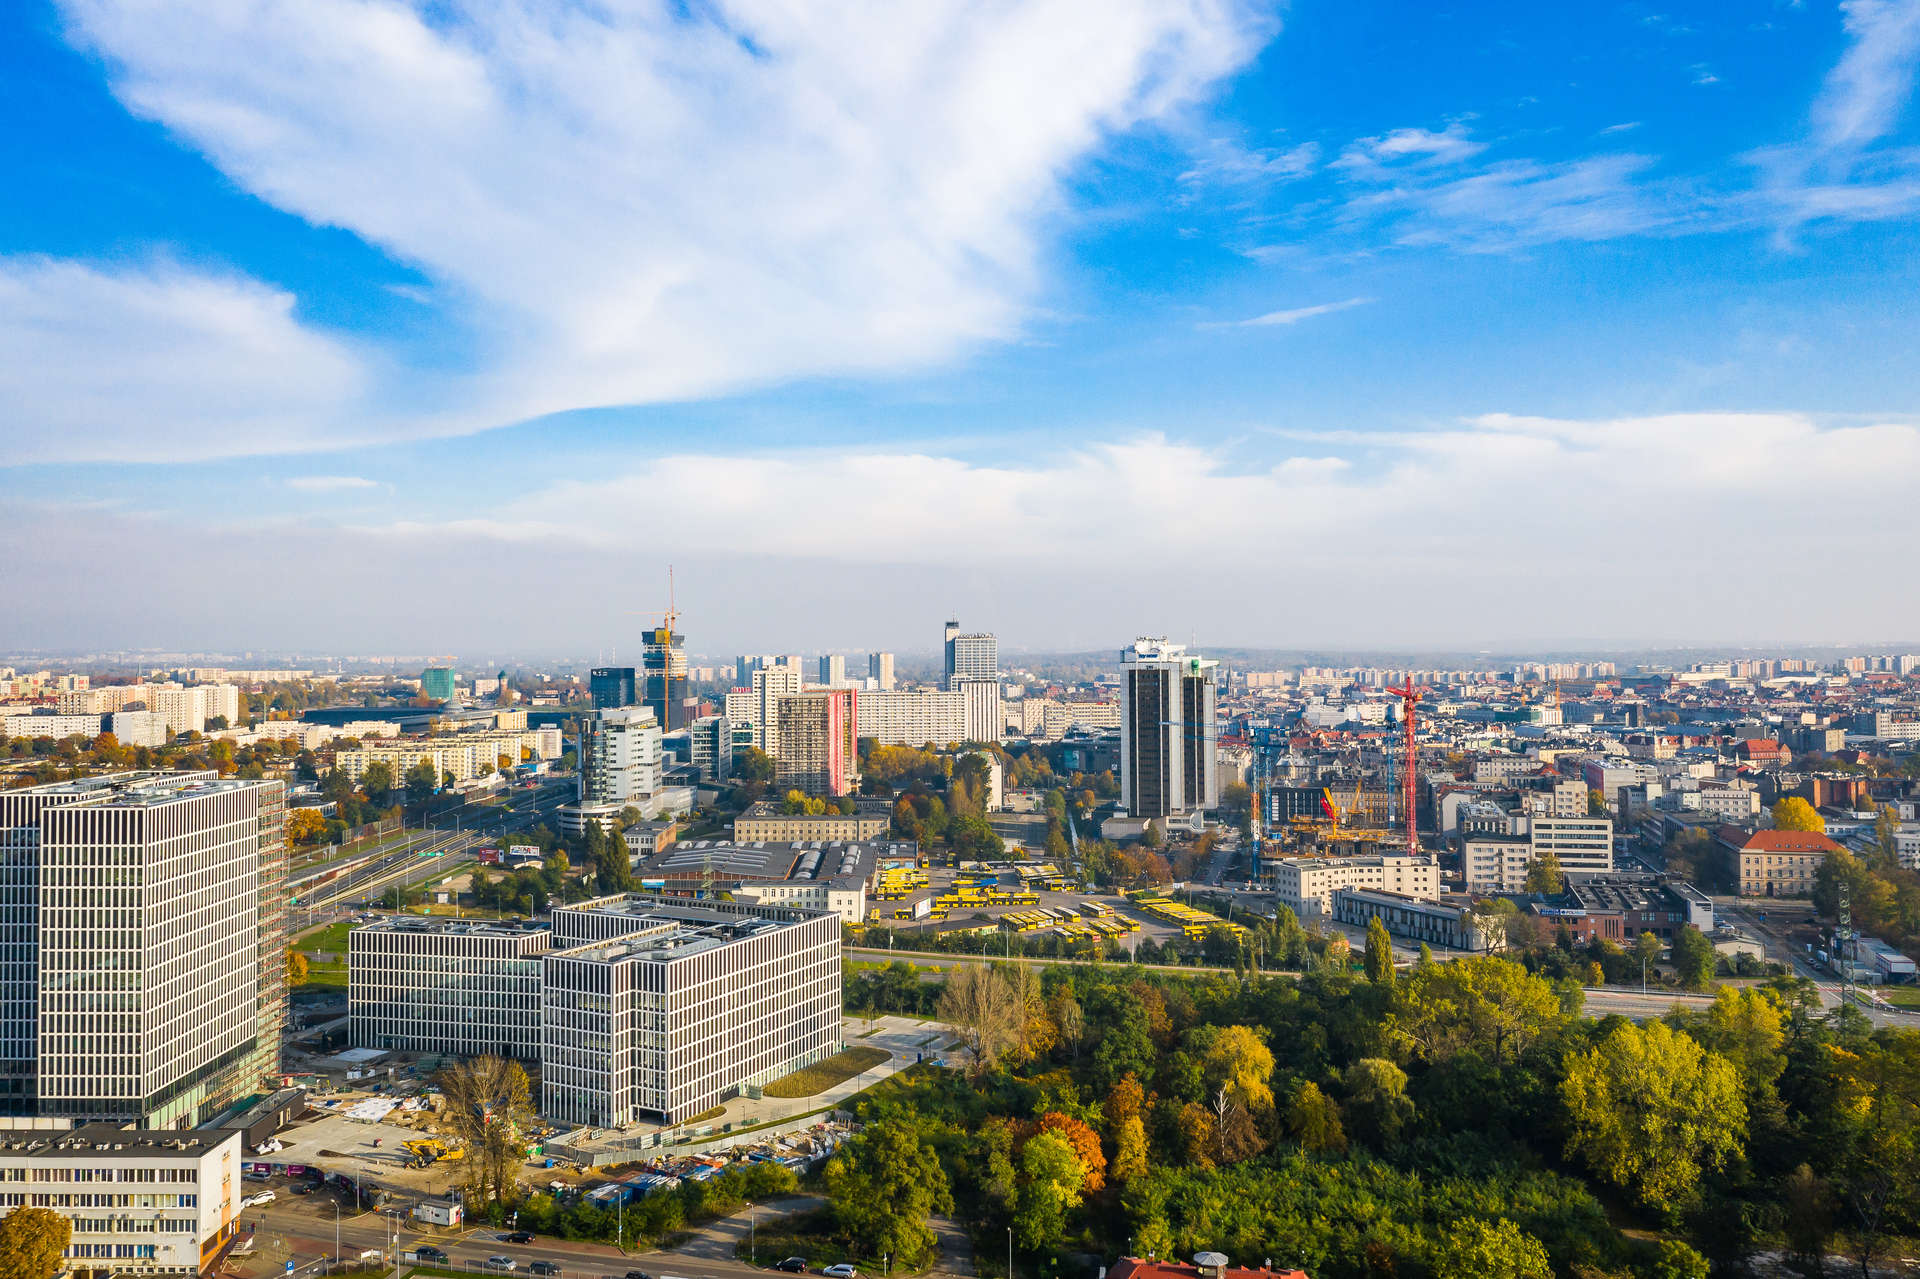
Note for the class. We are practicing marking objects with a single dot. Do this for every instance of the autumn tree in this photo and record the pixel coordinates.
(1239, 1061)
(985, 1008)
(298, 968)
(1130, 1149)
(885, 1186)
(1481, 1004)
(1544, 874)
(1790, 812)
(1377, 1107)
(1086, 1147)
(306, 825)
(1649, 1111)
(489, 1107)
(33, 1243)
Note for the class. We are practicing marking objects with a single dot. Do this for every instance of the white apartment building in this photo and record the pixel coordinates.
(972, 655)
(1737, 804)
(138, 728)
(461, 987)
(188, 709)
(986, 722)
(1049, 718)
(157, 1204)
(1568, 798)
(1306, 885)
(759, 704)
(99, 701)
(913, 718)
(658, 1008)
(54, 726)
(880, 671)
(1582, 844)
(1495, 863)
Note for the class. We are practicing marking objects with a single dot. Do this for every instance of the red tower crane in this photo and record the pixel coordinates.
(1408, 696)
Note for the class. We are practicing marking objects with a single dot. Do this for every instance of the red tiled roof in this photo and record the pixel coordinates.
(1137, 1268)
(1788, 841)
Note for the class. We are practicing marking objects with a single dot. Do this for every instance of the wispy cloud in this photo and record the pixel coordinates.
(633, 203)
(331, 483)
(1292, 316)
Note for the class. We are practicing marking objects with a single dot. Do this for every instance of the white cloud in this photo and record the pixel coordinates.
(1293, 316)
(1515, 204)
(637, 203)
(1540, 490)
(1372, 157)
(331, 483)
(1866, 91)
(158, 363)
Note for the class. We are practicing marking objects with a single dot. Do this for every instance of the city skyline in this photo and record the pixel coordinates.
(1345, 322)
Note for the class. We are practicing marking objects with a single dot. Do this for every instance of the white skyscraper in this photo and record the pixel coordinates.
(1168, 736)
(971, 655)
(880, 671)
(620, 757)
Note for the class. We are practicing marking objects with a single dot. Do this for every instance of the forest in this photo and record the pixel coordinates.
(1448, 1119)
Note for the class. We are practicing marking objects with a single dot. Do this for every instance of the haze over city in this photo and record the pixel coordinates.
(1319, 326)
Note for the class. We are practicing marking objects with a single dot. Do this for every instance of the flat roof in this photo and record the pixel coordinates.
(664, 930)
(455, 927)
(106, 1138)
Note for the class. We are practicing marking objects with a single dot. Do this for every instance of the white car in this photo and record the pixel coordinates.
(841, 1271)
(254, 1201)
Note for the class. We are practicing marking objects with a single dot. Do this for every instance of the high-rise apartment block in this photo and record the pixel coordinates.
(1168, 735)
(757, 704)
(833, 670)
(973, 655)
(611, 687)
(880, 671)
(710, 747)
(143, 940)
(818, 742)
(914, 717)
(189, 709)
(986, 720)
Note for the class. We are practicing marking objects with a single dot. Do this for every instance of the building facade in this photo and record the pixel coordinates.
(656, 1009)
(1306, 885)
(970, 655)
(1169, 736)
(460, 987)
(871, 819)
(819, 749)
(437, 683)
(1773, 863)
(1582, 844)
(986, 720)
(141, 1202)
(611, 687)
(620, 758)
(663, 658)
(911, 717)
(880, 671)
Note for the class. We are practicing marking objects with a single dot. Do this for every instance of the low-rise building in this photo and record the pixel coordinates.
(1495, 863)
(1440, 924)
(1305, 885)
(1582, 844)
(141, 1202)
(1773, 863)
(765, 820)
(832, 876)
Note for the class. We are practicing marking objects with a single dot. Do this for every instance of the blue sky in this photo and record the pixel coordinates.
(1327, 324)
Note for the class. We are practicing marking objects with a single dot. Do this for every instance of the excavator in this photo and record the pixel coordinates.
(431, 1150)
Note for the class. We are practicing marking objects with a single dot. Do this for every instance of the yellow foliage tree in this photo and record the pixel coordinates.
(1794, 813)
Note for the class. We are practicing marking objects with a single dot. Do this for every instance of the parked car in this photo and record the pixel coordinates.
(501, 1263)
(544, 1268)
(638, 1274)
(841, 1271)
(519, 1236)
(303, 1190)
(427, 1252)
(792, 1265)
(254, 1201)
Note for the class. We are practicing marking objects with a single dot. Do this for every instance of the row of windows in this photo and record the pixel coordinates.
(57, 1173)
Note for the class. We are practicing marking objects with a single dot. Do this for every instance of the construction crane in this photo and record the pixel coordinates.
(663, 638)
(1409, 696)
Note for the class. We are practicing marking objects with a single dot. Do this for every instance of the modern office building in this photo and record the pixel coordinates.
(880, 670)
(664, 661)
(914, 717)
(436, 683)
(620, 758)
(818, 735)
(611, 687)
(657, 1009)
(153, 907)
(970, 655)
(154, 1204)
(1582, 844)
(710, 747)
(1167, 730)
(460, 987)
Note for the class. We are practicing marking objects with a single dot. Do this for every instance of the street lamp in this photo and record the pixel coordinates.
(1009, 1252)
(336, 1230)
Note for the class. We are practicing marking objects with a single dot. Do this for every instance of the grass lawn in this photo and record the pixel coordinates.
(329, 975)
(1901, 996)
(332, 938)
(823, 1075)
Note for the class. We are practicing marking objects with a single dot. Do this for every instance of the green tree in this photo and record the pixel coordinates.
(1649, 1110)
(885, 1185)
(751, 764)
(1886, 838)
(1379, 954)
(421, 781)
(1747, 1026)
(1239, 1061)
(1051, 1175)
(1476, 1249)
(1790, 812)
(377, 780)
(1693, 957)
(1677, 1260)
(1377, 1107)
(1646, 949)
(1544, 874)
(1482, 1004)
(1313, 1119)
(33, 1243)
